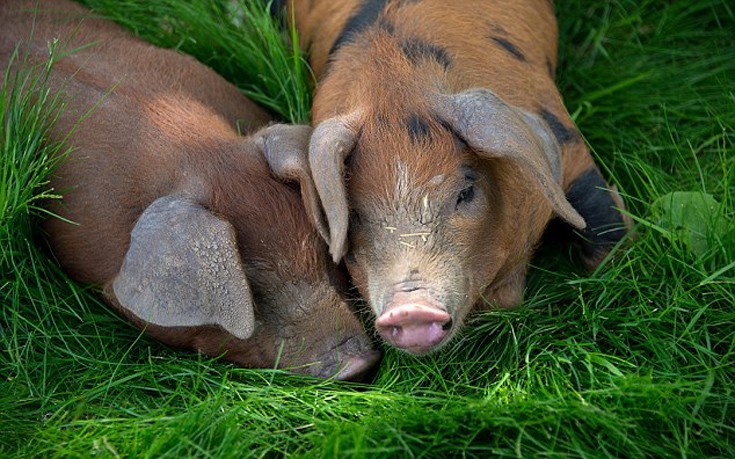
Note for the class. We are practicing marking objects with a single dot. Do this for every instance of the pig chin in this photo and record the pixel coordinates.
(417, 317)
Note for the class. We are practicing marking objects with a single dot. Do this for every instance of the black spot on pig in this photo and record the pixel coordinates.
(277, 8)
(510, 47)
(418, 128)
(590, 196)
(564, 135)
(416, 50)
(387, 26)
(367, 14)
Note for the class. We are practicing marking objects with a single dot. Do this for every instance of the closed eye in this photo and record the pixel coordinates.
(354, 219)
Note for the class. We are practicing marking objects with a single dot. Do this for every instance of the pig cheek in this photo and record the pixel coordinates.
(276, 337)
(477, 255)
(297, 347)
(281, 334)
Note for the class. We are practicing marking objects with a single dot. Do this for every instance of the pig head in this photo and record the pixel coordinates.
(440, 153)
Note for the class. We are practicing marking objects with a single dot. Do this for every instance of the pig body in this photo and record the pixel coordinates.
(441, 151)
(176, 216)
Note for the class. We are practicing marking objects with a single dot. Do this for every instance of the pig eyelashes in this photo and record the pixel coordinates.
(354, 219)
(467, 194)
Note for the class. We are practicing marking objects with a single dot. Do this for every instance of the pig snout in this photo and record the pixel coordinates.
(412, 321)
(359, 368)
(352, 360)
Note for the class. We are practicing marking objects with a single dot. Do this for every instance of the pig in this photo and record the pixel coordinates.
(441, 151)
(176, 217)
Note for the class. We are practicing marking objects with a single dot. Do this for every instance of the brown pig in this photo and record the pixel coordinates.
(175, 215)
(441, 151)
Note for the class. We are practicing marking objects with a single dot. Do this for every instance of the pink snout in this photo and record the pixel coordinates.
(413, 327)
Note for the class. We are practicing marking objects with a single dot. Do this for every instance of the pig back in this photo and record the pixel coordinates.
(139, 117)
(509, 47)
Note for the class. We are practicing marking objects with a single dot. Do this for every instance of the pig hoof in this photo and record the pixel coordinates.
(415, 328)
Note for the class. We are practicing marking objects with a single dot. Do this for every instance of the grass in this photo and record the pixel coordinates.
(633, 360)
(238, 39)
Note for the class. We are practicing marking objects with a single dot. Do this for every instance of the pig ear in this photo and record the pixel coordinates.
(494, 129)
(332, 141)
(183, 269)
(285, 147)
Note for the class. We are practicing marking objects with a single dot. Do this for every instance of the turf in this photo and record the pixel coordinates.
(632, 360)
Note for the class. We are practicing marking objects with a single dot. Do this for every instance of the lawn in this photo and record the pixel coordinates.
(633, 360)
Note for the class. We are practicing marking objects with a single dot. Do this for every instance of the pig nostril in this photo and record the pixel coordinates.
(414, 327)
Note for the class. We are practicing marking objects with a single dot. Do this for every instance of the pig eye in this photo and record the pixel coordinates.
(354, 219)
(468, 192)
(466, 195)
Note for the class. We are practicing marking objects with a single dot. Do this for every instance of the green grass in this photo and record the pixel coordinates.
(633, 360)
(238, 39)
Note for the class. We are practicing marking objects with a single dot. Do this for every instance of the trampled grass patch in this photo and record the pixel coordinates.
(633, 360)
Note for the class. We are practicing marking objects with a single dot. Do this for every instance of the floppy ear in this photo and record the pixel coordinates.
(183, 270)
(332, 141)
(285, 147)
(494, 129)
